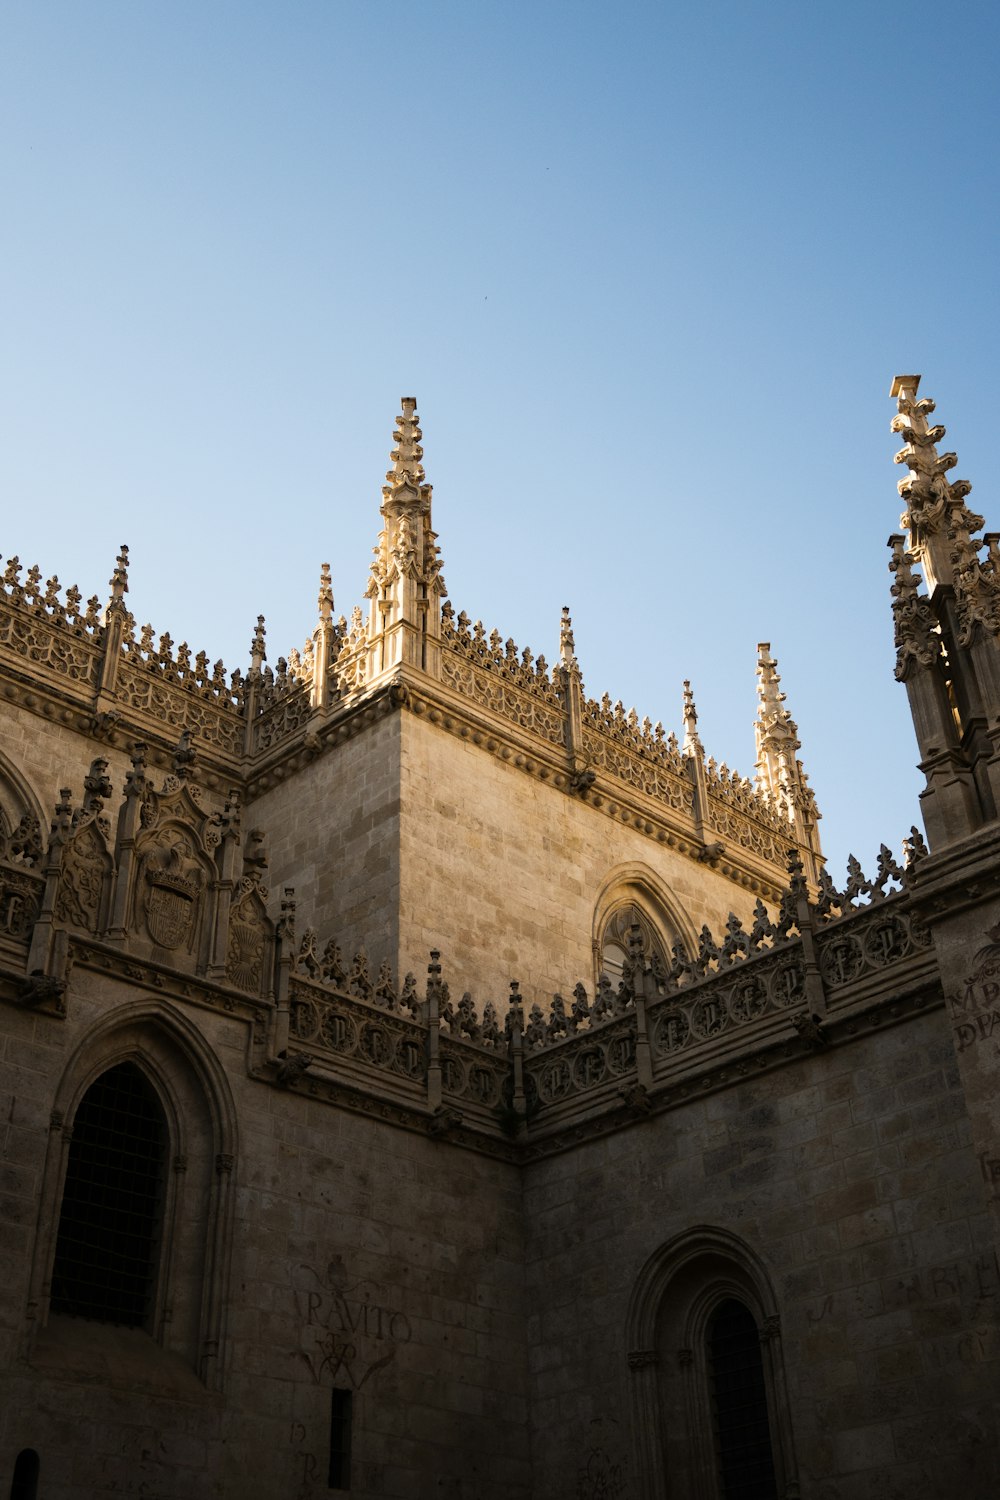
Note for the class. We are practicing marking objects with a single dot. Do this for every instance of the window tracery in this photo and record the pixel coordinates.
(613, 944)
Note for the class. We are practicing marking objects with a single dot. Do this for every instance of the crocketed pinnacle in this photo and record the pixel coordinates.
(258, 654)
(939, 523)
(406, 559)
(775, 731)
(407, 471)
(936, 515)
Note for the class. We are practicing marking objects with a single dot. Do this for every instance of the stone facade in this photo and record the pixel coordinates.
(490, 1065)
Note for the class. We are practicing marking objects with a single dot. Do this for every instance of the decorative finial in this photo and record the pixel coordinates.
(325, 601)
(119, 578)
(567, 645)
(96, 785)
(407, 471)
(775, 730)
(258, 656)
(692, 744)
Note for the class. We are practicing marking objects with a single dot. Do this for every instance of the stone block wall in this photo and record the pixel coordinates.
(333, 834)
(362, 1257)
(849, 1176)
(506, 871)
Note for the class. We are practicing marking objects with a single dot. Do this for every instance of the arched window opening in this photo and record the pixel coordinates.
(24, 1485)
(614, 943)
(109, 1230)
(739, 1404)
(711, 1409)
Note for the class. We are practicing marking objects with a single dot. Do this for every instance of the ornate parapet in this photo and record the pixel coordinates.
(637, 753)
(155, 696)
(760, 832)
(282, 714)
(489, 671)
(61, 641)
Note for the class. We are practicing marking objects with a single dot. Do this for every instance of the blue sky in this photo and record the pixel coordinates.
(649, 270)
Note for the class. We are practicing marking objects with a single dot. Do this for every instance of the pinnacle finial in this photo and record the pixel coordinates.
(567, 645)
(118, 583)
(119, 578)
(939, 522)
(258, 656)
(936, 515)
(407, 471)
(769, 711)
(692, 744)
(779, 774)
(325, 601)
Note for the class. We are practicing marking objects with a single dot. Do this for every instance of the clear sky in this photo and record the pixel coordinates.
(648, 268)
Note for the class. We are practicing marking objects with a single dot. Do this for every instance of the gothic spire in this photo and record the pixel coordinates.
(780, 775)
(405, 584)
(775, 732)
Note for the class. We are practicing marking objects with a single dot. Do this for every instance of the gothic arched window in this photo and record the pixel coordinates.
(710, 1400)
(613, 947)
(107, 1248)
(138, 1204)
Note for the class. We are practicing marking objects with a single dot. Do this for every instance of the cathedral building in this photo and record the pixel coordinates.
(422, 1081)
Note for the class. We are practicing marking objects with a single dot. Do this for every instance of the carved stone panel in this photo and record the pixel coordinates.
(85, 866)
(172, 883)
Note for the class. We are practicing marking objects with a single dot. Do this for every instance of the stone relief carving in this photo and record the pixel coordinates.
(85, 866)
(172, 887)
(250, 935)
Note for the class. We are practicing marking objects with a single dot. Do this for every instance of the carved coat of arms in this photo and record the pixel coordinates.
(173, 886)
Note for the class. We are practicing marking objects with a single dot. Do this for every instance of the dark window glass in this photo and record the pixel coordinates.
(24, 1485)
(340, 1440)
(106, 1250)
(739, 1402)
